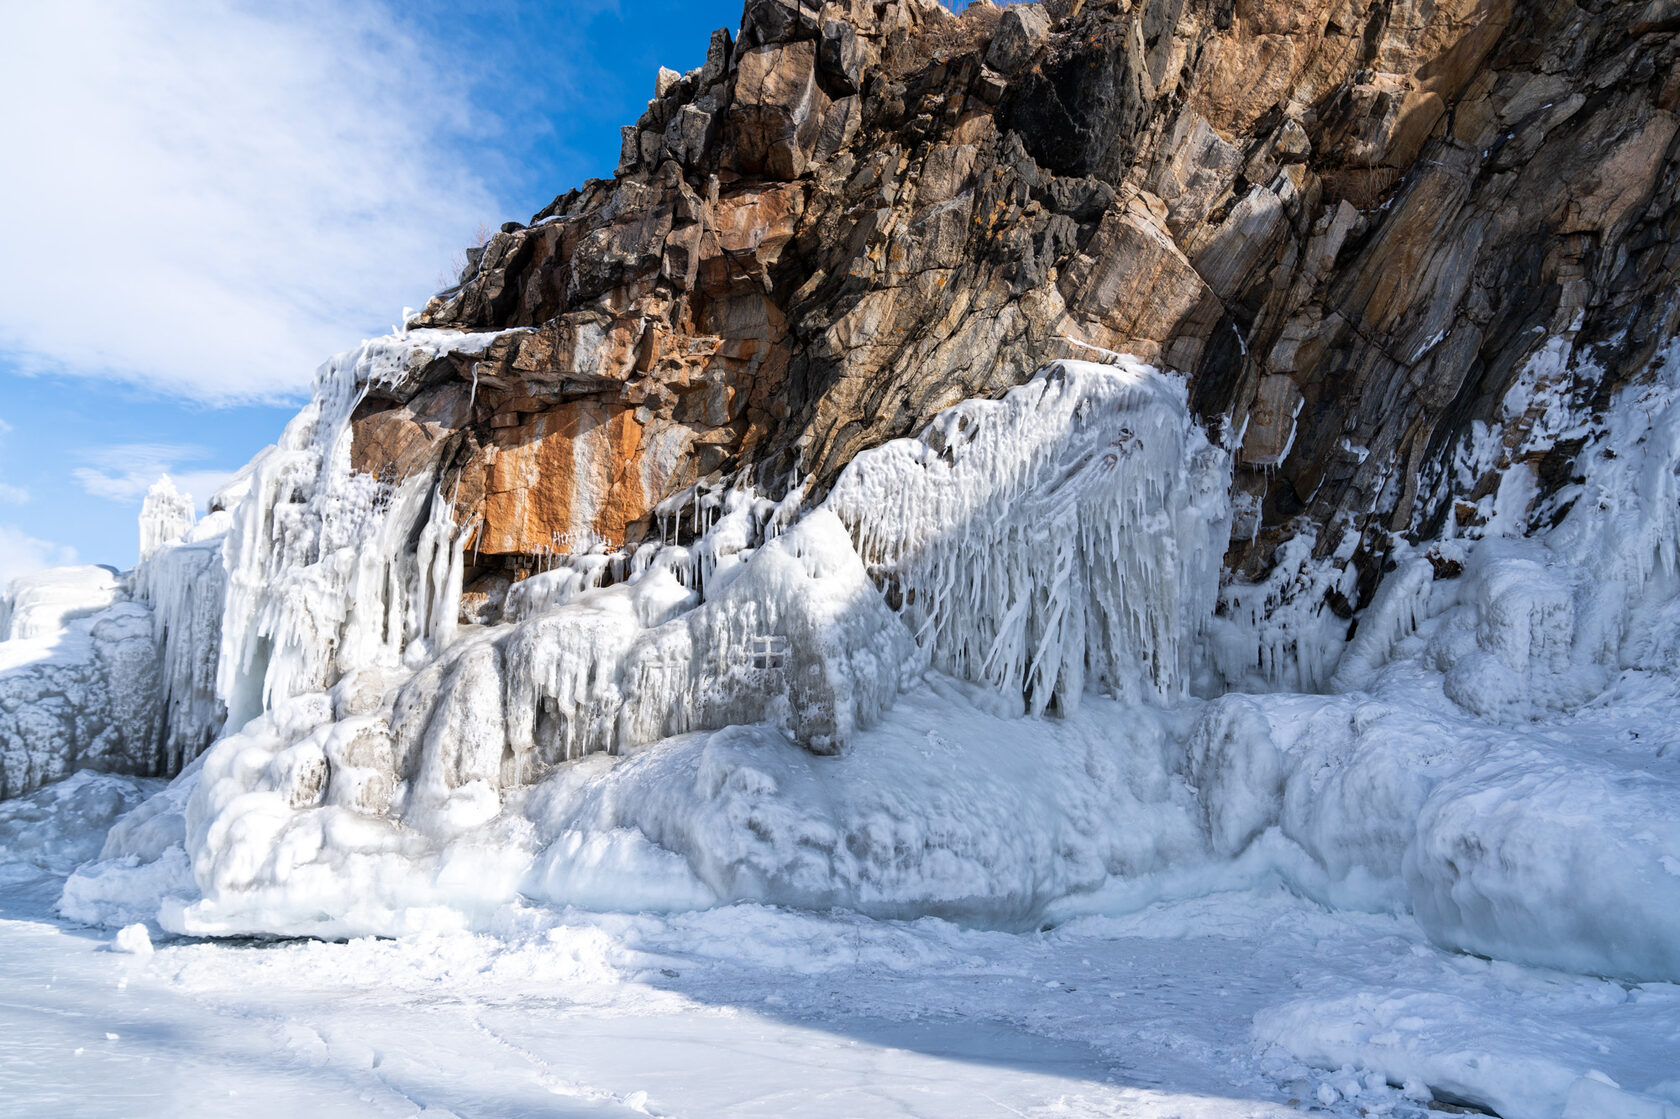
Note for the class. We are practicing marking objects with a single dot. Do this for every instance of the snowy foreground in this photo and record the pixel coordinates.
(965, 790)
(1253, 1002)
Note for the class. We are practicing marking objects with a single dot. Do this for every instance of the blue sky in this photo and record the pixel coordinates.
(205, 199)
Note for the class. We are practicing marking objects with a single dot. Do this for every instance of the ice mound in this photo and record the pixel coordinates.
(53, 830)
(947, 809)
(1068, 536)
(1560, 860)
(1561, 850)
(940, 810)
(40, 605)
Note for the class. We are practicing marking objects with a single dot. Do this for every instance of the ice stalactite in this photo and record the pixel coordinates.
(1067, 536)
(185, 585)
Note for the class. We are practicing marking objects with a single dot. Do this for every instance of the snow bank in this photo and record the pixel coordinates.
(42, 604)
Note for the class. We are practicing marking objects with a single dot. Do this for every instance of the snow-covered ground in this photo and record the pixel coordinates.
(1253, 1000)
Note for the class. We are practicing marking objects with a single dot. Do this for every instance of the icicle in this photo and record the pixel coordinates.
(1071, 531)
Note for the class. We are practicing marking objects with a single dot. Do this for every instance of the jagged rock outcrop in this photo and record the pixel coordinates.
(1356, 226)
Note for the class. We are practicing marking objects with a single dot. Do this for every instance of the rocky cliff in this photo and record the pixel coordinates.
(1388, 242)
(1402, 265)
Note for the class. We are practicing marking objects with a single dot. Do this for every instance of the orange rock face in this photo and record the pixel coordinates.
(563, 481)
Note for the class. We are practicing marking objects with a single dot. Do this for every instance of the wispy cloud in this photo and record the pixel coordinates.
(213, 196)
(21, 554)
(125, 472)
(9, 494)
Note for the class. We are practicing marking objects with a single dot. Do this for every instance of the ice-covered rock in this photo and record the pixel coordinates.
(85, 698)
(322, 578)
(42, 604)
(1066, 537)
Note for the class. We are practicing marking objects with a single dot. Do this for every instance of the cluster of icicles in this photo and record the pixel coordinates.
(1064, 537)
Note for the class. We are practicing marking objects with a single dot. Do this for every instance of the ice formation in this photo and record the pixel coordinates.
(983, 678)
(1064, 537)
(41, 605)
(320, 581)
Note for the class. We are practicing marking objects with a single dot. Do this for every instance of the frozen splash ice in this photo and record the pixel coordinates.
(320, 580)
(1061, 541)
(166, 516)
(1066, 536)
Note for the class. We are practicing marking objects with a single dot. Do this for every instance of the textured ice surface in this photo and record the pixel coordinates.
(1065, 537)
(961, 687)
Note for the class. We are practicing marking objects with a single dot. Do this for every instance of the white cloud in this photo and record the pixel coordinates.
(211, 197)
(126, 471)
(21, 554)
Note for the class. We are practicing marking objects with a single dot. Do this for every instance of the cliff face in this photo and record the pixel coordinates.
(1362, 229)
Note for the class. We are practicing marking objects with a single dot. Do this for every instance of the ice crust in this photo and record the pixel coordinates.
(984, 678)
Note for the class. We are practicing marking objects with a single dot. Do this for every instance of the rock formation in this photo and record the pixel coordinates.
(1404, 256)
(1365, 231)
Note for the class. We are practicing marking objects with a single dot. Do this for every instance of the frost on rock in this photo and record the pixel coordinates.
(1067, 536)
